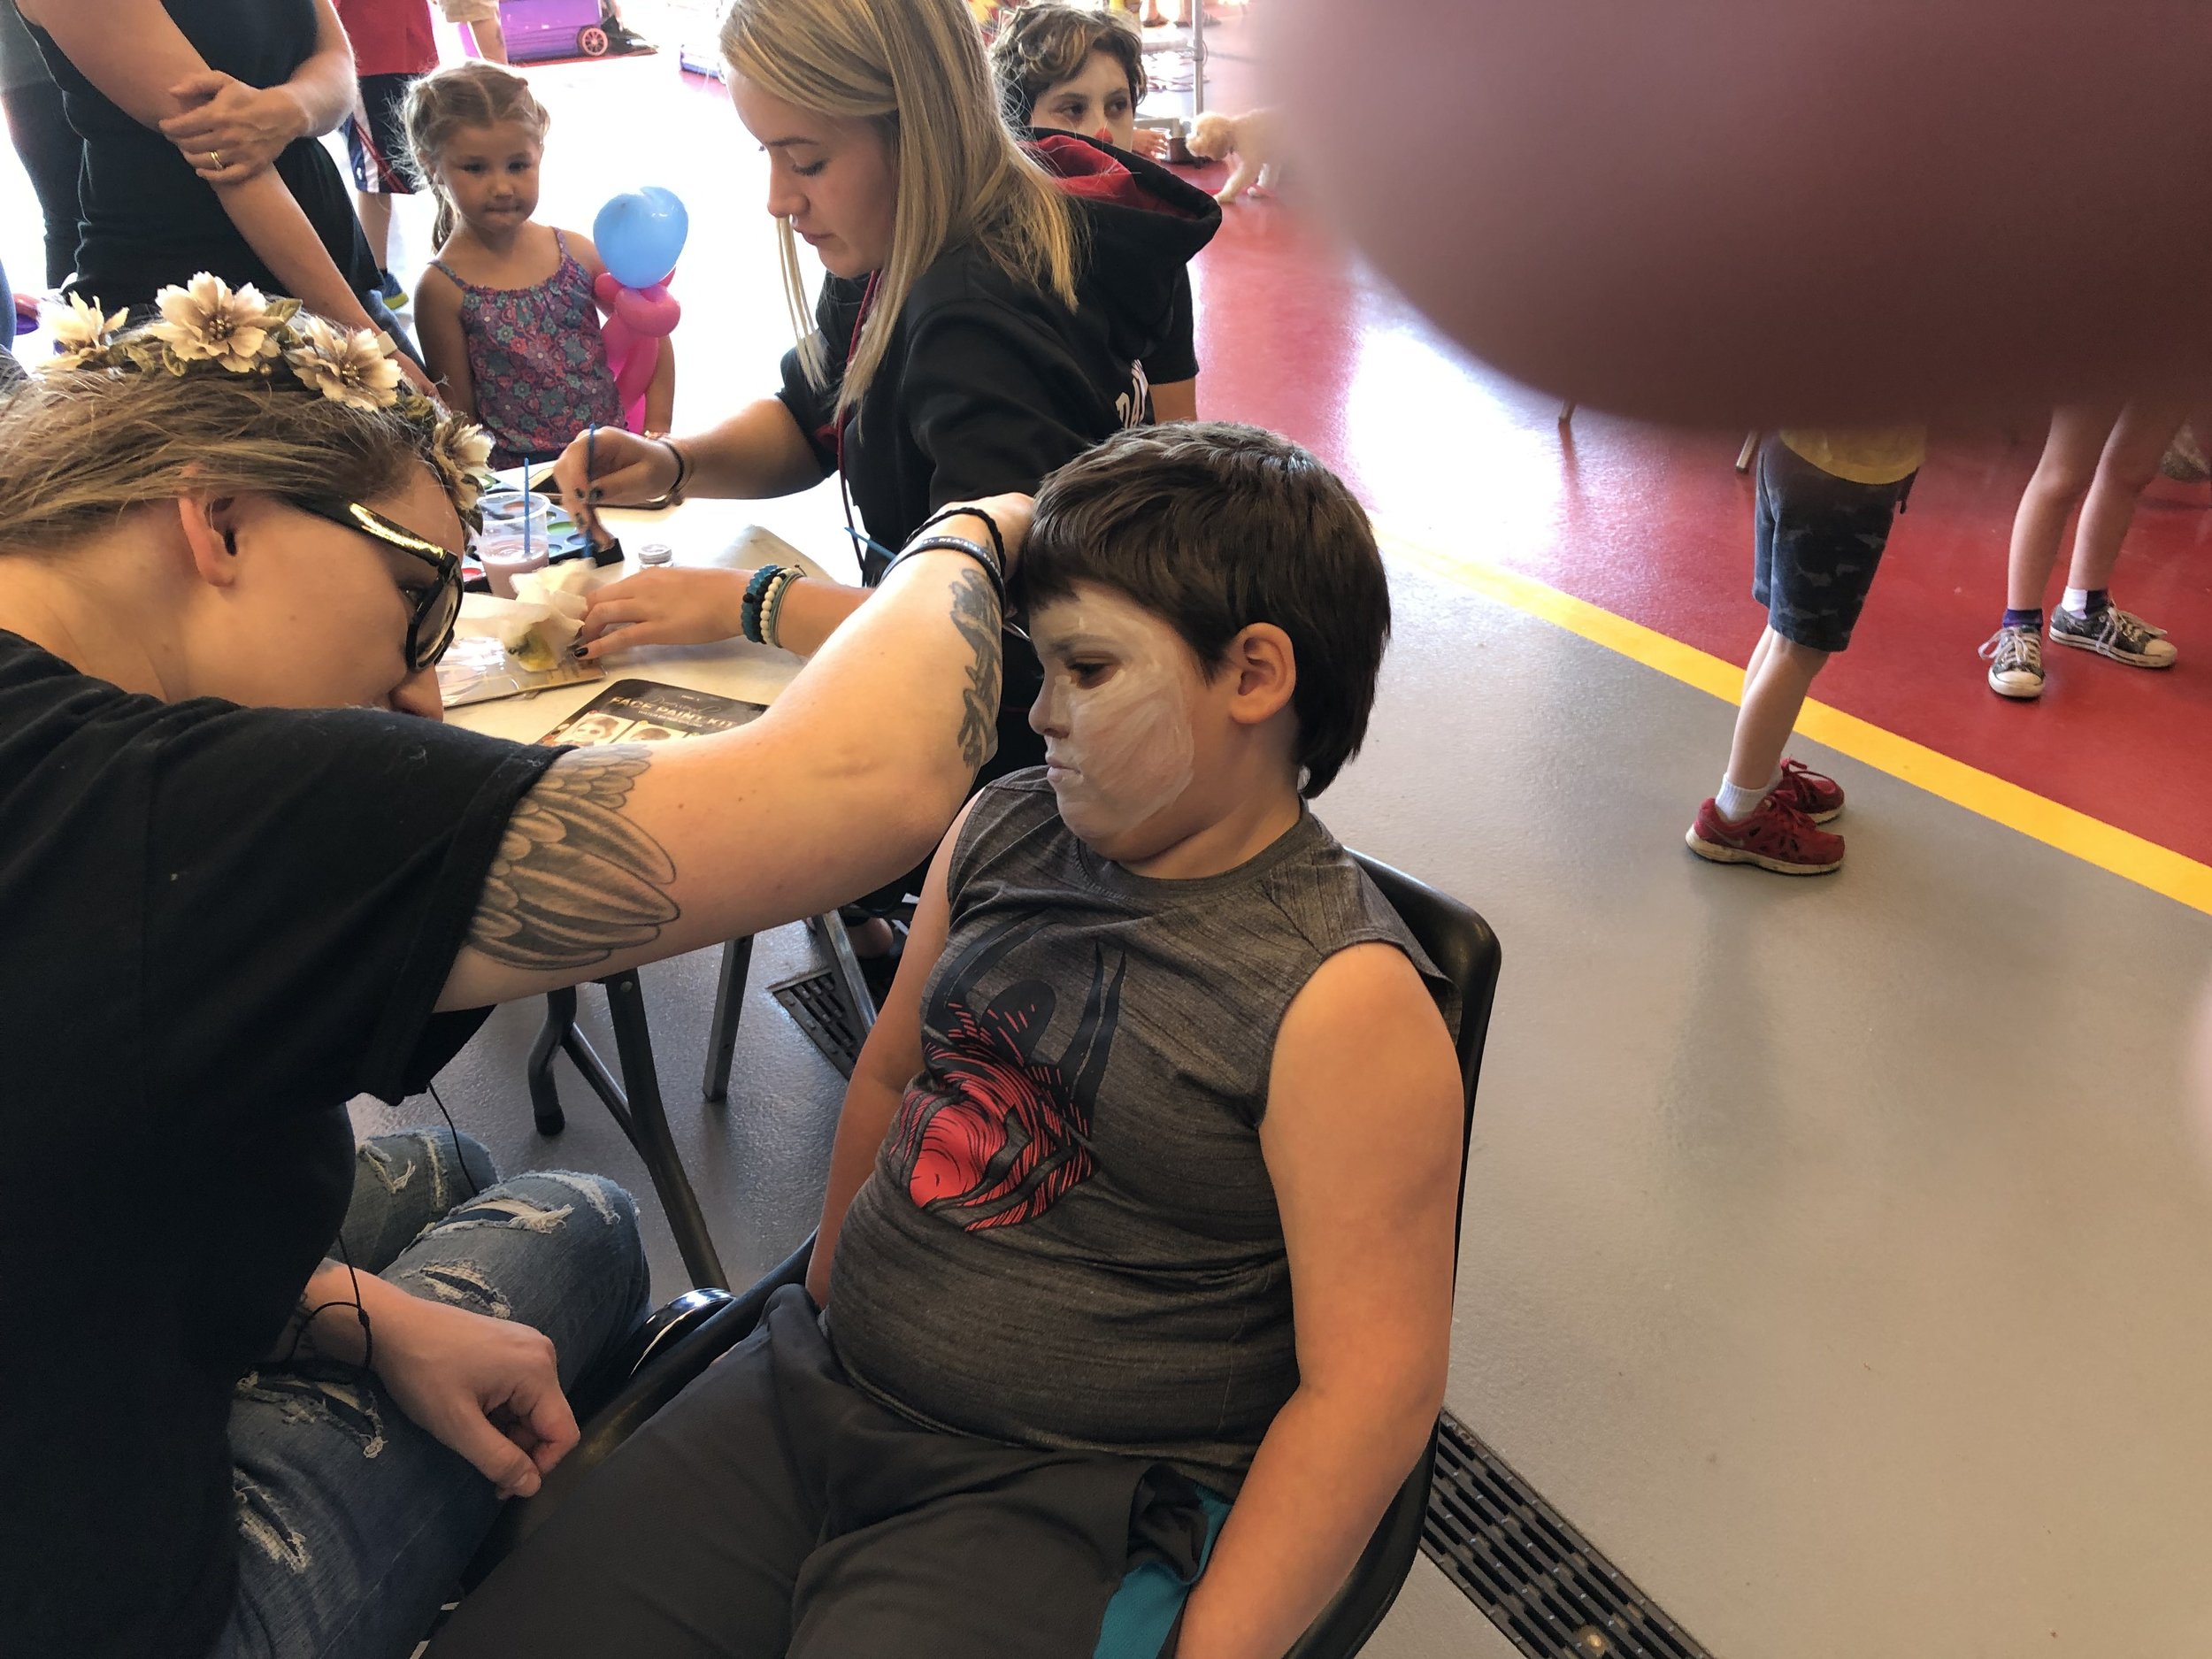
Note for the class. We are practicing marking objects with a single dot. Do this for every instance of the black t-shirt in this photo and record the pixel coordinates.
(1177, 356)
(220, 923)
(146, 220)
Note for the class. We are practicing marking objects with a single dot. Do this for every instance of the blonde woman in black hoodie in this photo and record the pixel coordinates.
(985, 310)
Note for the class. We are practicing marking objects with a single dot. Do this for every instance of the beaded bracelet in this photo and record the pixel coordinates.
(772, 607)
(756, 590)
(975, 550)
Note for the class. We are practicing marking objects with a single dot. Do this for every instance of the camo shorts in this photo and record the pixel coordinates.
(1819, 541)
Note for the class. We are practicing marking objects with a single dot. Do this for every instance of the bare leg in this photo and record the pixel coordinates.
(1782, 672)
(1767, 636)
(2129, 463)
(376, 222)
(490, 39)
(2062, 479)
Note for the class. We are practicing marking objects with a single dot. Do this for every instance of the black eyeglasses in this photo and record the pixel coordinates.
(430, 629)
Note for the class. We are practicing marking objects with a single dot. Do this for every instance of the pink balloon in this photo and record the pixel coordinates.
(652, 311)
(636, 372)
(622, 343)
(637, 320)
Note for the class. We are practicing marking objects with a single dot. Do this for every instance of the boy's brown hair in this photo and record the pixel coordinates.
(1214, 527)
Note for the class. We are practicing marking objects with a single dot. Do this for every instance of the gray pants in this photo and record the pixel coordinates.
(772, 1510)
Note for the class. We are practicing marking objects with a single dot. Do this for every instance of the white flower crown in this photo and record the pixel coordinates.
(211, 327)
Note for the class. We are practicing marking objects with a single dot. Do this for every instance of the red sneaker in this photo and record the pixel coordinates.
(1817, 796)
(1776, 837)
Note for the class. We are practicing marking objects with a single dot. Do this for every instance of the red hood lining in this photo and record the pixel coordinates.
(1083, 169)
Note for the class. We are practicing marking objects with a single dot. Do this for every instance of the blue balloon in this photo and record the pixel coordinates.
(641, 235)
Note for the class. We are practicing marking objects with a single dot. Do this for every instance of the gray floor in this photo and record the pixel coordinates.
(1836, 1254)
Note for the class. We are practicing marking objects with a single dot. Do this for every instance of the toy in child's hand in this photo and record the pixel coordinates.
(640, 235)
(1249, 137)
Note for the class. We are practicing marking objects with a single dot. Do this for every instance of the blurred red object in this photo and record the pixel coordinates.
(1739, 212)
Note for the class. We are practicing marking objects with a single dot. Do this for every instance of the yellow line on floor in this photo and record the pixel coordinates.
(2145, 863)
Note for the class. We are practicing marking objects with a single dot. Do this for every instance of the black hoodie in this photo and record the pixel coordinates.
(989, 383)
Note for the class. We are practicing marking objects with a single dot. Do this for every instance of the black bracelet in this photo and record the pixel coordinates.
(975, 550)
(748, 612)
(989, 523)
(675, 493)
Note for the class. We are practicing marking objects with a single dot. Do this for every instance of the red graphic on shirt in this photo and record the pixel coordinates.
(990, 1135)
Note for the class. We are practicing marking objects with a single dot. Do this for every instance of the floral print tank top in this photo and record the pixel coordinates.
(538, 361)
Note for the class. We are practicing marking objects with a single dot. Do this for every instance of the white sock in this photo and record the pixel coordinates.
(2075, 600)
(1737, 804)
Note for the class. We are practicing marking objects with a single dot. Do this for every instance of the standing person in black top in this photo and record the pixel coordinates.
(248, 874)
(984, 313)
(200, 118)
(49, 150)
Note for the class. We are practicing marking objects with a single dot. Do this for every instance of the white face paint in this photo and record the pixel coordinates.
(1114, 711)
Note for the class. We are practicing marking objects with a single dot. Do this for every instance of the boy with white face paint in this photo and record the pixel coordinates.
(1115, 713)
(1140, 1221)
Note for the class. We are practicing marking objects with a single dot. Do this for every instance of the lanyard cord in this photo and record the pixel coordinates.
(864, 544)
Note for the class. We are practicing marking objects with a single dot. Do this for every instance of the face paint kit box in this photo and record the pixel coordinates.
(646, 711)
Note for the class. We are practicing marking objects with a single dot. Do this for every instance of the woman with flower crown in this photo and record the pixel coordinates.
(262, 1393)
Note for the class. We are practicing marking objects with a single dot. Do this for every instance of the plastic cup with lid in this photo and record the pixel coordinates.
(514, 536)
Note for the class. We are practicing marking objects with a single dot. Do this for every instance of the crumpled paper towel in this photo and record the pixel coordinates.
(544, 617)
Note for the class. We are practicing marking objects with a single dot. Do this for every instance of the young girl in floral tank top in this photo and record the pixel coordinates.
(506, 312)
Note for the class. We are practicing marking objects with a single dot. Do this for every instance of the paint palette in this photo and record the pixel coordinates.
(564, 540)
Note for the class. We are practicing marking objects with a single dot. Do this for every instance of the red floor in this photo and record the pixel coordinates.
(1656, 526)
(1650, 524)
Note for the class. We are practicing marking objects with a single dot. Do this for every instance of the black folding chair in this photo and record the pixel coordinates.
(634, 1100)
(1465, 951)
(681, 1341)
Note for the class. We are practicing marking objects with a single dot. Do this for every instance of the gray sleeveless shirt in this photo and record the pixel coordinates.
(1069, 1239)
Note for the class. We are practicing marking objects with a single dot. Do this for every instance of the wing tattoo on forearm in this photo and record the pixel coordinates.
(575, 880)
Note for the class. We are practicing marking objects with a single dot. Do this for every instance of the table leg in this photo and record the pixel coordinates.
(647, 1124)
(560, 1023)
(845, 972)
(729, 1003)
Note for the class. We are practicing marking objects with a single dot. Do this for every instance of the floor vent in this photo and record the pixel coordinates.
(1539, 1581)
(812, 1000)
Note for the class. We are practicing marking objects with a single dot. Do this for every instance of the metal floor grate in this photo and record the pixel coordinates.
(1539, 1581)
(812, 1000)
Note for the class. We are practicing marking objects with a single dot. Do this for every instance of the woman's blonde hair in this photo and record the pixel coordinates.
(913, 69)
(474, 93)
(79, 448)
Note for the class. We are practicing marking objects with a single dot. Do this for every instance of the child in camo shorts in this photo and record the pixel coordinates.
(1825, 503)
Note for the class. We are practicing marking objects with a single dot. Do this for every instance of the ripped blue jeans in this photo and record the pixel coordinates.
(353, 1523)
